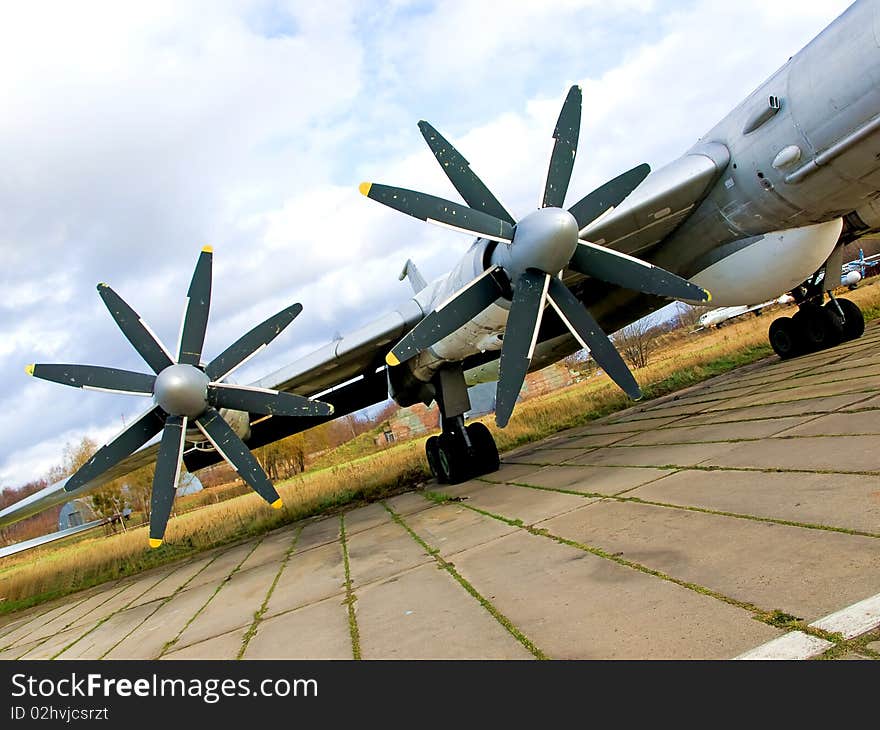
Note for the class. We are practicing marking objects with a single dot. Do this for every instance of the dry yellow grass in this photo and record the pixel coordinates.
(682, 360)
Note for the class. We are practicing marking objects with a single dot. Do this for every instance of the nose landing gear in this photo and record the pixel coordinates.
(460, 452)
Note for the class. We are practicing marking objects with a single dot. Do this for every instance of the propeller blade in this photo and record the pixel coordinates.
(458, 170)
(136, 331)
(442, 212)
(520, 337)
(568, 128)
(165, 477)
(95, 377)
(250, 344)
(587, 331)
(265, 401)
(234, 450)
(127, 442)
(629, 272)
(456, 311)
(195, 318)
(609, 195)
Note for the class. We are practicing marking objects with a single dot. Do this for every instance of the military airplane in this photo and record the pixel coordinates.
(717, 317)
(764, 203)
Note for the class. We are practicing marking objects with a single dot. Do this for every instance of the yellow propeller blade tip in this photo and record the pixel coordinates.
(708, 295)
(102, 285)
(364, 187)
(391, 359)
(277, 504)
(332, 408)
(29, 369)
(154, 543)
(207, 249)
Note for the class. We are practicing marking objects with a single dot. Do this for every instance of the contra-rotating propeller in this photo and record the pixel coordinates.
(539, 247)
(183, 390)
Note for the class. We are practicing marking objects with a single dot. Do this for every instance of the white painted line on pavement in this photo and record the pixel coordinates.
(793, 645)
(853, 620)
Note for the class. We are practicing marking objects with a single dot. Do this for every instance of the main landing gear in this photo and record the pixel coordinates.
(460, 452)
(816, 326)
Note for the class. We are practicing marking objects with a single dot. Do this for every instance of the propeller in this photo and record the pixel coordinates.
(526, 269)
(183, 391)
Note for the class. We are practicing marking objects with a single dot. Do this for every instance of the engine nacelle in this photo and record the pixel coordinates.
(774, 263)
(239, 421)
(851, 278)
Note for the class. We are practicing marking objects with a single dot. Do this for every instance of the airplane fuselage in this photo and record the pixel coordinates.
(796, 166)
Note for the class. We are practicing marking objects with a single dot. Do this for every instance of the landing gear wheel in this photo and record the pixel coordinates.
(485, 458)
(453, 461)
(432, 451)
(786, 337)
(818, 326)
(853, 325)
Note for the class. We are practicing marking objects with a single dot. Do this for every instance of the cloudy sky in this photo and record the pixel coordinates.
(132, 134)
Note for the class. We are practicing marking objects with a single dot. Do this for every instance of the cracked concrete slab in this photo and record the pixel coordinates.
(653, 456)
(233, 607)
(114, 630)
(311, 575)
(381, 552)
(149, 639)
(455, 528)
(848, 501)
(813, 453)
(161, 584)
(317, 631)
(608, 480)
(424, 614)
(717, 432)
(225, 646)
(574, 605)
(804, 572)
(530, 505)
(546, 456)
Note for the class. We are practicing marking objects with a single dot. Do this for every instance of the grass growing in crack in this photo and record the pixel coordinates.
(259, 613)
(350, 598)
(172, 642)
(161, 603)
(701, 510)
(782, 620)
(775, 618)
(464, 583)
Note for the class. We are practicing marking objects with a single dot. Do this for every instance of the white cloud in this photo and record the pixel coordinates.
(131, 135)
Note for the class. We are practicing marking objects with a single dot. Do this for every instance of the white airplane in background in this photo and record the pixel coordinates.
(717, 317)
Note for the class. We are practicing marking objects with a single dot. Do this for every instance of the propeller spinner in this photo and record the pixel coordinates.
(183, 390)
(538, 248)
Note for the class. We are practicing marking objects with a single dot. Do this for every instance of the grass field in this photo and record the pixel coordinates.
(680, 360)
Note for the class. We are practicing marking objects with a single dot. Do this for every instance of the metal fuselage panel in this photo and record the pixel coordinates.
(826, 92)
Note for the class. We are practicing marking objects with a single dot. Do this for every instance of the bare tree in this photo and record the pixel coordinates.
(635, 342)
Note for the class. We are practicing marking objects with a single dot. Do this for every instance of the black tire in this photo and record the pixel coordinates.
(432, 452)
(485, 453)
(853, 325)
(786, 338)
(453, 461)
(818, 327)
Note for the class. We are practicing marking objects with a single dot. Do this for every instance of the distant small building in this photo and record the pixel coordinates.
(75, 513)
